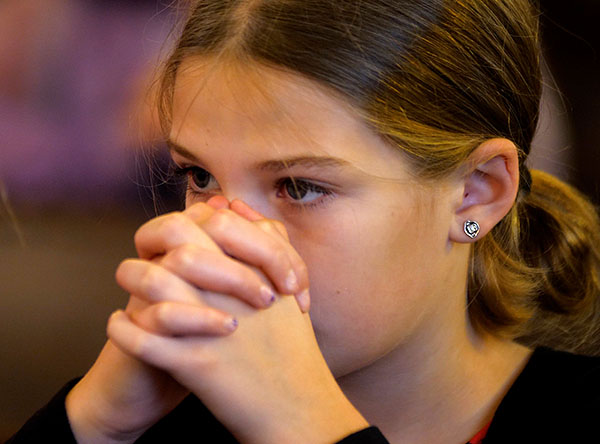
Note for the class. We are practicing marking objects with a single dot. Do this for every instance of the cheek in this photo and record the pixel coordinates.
(364, 288)
(363, 260)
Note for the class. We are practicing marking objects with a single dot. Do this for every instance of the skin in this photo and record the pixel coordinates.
(387, 336)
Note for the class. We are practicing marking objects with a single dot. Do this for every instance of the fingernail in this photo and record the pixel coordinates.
(303, 299)
(231, 324)
(291, 282)
(268, 295)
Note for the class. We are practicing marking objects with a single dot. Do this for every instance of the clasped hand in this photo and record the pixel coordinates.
(186, 258)
(199, 273)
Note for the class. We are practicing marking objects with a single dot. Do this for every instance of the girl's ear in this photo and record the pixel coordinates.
(490, 185)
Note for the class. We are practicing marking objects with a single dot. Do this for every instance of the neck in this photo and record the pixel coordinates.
(440, 386)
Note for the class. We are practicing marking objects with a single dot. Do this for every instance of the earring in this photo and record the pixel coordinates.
(471, 229)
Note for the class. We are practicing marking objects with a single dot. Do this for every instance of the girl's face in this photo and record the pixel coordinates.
(375, 240)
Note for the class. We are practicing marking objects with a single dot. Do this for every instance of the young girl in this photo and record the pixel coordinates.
(364, 255)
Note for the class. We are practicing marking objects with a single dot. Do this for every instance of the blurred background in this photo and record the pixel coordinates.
(74, 115)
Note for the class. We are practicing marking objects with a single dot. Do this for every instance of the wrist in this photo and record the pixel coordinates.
(334, 422)
(324, 421)
(88, 424)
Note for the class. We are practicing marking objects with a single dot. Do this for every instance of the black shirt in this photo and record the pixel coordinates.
(555, 399)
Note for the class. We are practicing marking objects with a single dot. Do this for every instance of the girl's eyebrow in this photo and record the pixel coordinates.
(276, 165)
(184, 152)
(303, 161)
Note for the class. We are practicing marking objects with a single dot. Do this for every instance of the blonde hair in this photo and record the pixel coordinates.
(437, 78)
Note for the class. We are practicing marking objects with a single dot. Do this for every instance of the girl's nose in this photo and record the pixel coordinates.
(255, 200)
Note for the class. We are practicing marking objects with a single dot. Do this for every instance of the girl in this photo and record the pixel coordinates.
(378, 149)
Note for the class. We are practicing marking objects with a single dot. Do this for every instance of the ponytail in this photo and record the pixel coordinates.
(536, 276)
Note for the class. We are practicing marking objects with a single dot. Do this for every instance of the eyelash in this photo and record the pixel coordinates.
(183, 173)
(280, 186)
(302, 184)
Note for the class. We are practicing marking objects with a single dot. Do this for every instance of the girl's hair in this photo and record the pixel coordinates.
(436, 78)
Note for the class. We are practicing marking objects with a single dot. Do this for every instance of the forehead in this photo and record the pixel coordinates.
(245, 95)
(262, 111)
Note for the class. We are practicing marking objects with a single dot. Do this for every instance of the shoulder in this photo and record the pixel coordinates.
(553, 363)
(553, 378)
(558, 382)
(556, 395)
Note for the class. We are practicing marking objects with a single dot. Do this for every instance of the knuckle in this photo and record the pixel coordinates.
(279, 258)
(111, 320)
(173, 224)
(266, 226)
(182, 257)
(273, 227)
(139, 238)
(126, 275)
(120, 271)
(150, 281)
(220, 221)
(163, 314)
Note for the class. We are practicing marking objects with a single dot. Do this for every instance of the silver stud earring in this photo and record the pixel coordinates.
(471, 228)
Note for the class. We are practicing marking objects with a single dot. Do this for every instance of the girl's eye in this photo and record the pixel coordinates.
(301, 191)
(198, 179)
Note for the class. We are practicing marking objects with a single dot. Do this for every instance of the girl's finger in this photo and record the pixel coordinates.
(273, 226)
(267, 225)
(177, 319)
(256, 246)
(218, 273)
(156, 350)
(249, 213)
(164, 233)
(244, 210)
(154, 283)
(218, 202)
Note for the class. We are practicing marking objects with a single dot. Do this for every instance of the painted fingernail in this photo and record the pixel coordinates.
(303, 299)
(291, 282)
(268, 295)
(231, 324)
